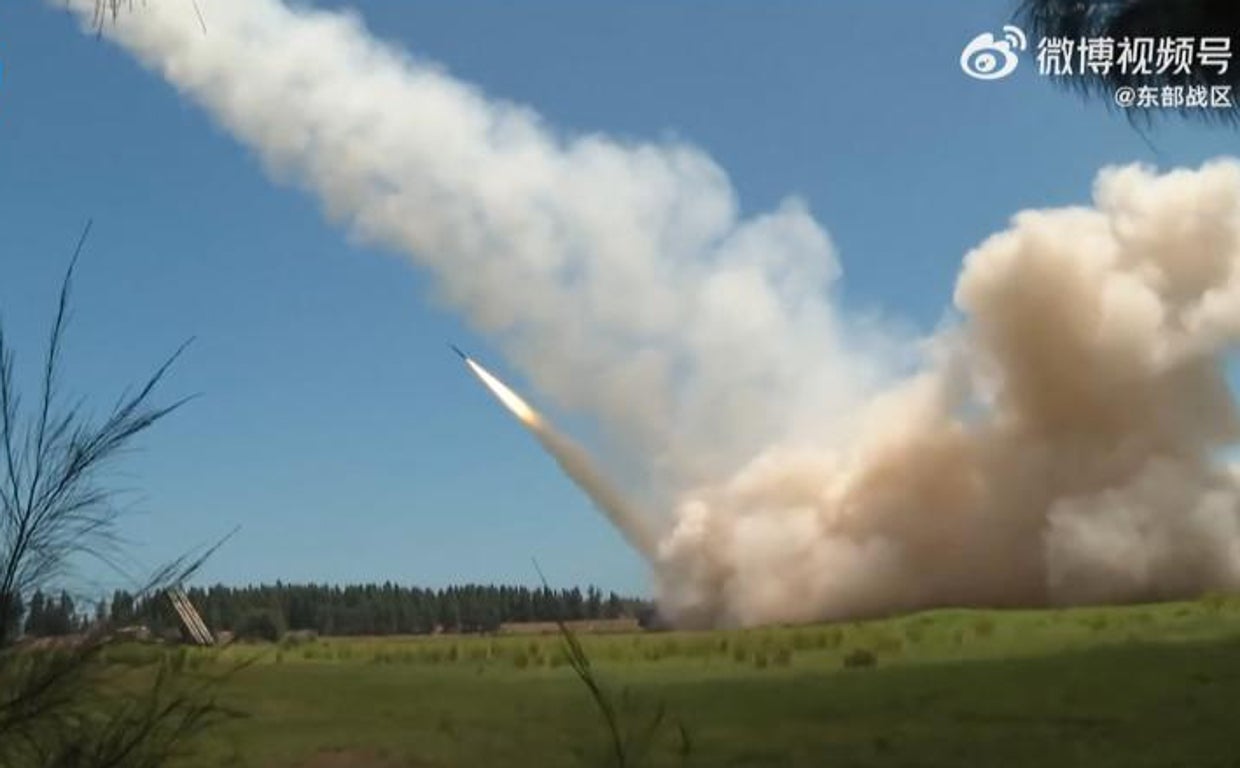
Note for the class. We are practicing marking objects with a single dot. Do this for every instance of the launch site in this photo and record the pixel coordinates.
(618, 384)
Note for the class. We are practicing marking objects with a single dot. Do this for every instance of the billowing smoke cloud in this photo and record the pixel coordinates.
(1064, 449)
(1060, 444)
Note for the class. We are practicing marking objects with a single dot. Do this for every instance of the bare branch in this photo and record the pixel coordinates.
(58, 707)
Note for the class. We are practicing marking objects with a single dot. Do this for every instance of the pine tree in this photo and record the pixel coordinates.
(36, 620)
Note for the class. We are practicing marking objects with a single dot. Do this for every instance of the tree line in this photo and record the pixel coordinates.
(53, 616)
(268, 611)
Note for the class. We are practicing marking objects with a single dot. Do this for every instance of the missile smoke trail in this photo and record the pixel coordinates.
(1059, 444)
(574, 460)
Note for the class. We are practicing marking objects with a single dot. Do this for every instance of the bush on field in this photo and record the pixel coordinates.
(296, 637)
(860, 658)
(1097, 623)
(260, 625)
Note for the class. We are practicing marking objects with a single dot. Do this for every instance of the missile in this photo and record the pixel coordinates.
(500, 391)
(573, 459)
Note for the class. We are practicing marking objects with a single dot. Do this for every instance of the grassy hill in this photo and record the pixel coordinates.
(1150, 685)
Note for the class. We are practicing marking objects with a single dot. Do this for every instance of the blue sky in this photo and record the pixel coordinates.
(334, 426)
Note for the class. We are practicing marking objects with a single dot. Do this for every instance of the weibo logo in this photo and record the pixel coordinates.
(989, 58)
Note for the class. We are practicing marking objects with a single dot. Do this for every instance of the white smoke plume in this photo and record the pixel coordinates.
(1060, 445)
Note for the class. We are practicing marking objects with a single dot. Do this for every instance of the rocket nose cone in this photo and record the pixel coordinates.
(458, 351)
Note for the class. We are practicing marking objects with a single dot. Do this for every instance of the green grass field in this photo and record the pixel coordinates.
(1155, 685)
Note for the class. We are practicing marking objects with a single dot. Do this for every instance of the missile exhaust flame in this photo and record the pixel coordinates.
(509, 399)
